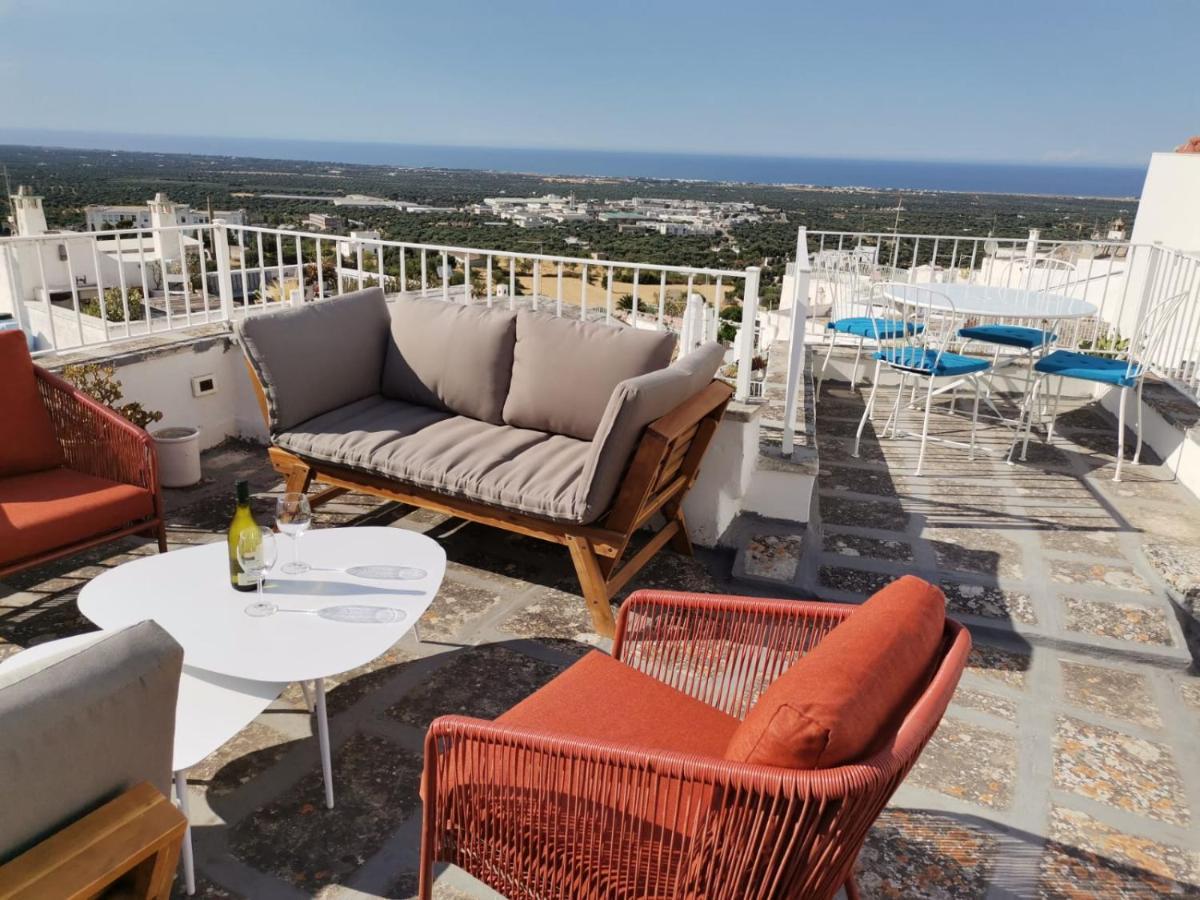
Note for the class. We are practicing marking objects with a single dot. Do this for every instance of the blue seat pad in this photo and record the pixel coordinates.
(1009, 335)
(922, 359)
(865, 326)
(1104, 369)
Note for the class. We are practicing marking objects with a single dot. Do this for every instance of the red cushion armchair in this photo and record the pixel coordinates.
(642, 775)
(73, 473)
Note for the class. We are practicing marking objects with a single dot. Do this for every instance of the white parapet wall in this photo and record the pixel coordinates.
(725, 476)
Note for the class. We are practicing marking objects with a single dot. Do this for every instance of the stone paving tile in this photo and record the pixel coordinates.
(1178, 564)
(205, 889)
(855, 581)
(863, 513)
(556, 618)
(990, 602)
(977, 550)
(1085, 858)
(247, 755)
(984, 701)
(1120, 576)
(859, 480)
(1126, 772)
(344, 690)
(773, 556)
(969, 762)
(910, 854)
(1007, 667)
(1123, 621)
(1089, 543)
(1085, 418)
(1110, 692)
(873, 548)
(404, 887)
(455, 606)
(479, 681)
(1190, 692)
(294, 836)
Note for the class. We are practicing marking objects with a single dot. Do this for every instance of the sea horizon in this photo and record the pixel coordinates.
(1047, 179)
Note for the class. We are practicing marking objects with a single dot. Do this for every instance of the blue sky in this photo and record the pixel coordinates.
(1050, 81)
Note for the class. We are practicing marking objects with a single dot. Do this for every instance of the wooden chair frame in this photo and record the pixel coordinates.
(133, 839)
(98, 441)
(661, 471)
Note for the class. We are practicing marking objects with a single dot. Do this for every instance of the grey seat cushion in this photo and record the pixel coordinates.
(82, 729)
(564, 371)
(450, 356)
(514, 468)
(635, 403)
(318, 356)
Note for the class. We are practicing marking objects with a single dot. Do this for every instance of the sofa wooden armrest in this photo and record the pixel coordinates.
(131, 843)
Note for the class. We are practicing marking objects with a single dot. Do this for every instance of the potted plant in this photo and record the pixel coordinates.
(178, 446)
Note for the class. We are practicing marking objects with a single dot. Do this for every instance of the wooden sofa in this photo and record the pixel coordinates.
(73, 473)
(571, 432)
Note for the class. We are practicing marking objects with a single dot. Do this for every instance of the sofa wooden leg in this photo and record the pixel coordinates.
(680, 542)
(595, 588)
(299, 479)
(161, 534)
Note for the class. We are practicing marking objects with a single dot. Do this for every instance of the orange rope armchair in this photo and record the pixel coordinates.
(538, 815)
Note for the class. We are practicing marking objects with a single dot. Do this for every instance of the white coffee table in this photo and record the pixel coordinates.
(210, 710)
(188, 593)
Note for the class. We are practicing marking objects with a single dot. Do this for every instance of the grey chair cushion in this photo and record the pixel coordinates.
(635, 403)
(513, 468)
(318, 356)
(450, 356)
(564, 371)
(84, 728)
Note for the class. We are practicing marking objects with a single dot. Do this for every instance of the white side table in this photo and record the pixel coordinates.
(188, 593)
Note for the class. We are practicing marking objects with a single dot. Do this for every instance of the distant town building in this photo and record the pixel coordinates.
(99, 217)
(664, 216)
(325, 222)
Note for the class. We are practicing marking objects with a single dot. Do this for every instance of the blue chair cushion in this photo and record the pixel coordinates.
(923, 359)
(1069, 364)
(1008, 335)
(866, 327)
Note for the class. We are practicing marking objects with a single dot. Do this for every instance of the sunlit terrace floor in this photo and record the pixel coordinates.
(1067, 766)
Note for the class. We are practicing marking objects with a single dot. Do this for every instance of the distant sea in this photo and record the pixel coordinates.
(999, 178)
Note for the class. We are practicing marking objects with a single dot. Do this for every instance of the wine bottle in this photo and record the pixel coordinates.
(243, 520)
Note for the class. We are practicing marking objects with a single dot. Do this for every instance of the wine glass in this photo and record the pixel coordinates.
(293, 516)
(256, 553)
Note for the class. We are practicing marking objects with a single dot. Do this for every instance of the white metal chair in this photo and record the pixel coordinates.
(924, 320)
(1045, 275)
(853, 312)
(1126, 371)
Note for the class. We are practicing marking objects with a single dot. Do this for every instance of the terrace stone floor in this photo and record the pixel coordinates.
(1067, 766)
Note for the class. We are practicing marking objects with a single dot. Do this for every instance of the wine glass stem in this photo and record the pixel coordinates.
(296, 548)
(262, 576)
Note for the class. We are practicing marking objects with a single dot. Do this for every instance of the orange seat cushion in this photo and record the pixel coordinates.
(832, 705)
(29, 444)
(601, 698)
(43, 511)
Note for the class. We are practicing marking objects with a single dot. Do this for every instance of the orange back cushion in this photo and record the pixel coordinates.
(28, 443)
(830, 707)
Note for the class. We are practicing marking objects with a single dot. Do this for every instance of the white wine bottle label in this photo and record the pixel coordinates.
(246, 580)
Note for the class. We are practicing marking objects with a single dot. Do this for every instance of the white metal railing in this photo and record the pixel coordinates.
(72, 289)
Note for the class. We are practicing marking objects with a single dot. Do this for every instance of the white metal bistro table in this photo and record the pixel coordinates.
(210, 710)
(188, 593)
(985, 301)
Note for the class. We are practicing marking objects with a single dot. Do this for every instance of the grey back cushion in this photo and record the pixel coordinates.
(452, 357)
(564, 371)
(84, 728)
(635, 403)
(318, 356)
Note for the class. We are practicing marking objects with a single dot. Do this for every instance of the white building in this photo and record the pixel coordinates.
(100, 217)
(325, 222)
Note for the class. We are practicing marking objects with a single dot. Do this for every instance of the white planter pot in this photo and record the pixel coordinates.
(178, 455)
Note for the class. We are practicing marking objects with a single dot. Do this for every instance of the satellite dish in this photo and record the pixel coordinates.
(991, 246)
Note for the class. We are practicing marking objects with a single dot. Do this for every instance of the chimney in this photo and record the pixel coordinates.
(28, 215)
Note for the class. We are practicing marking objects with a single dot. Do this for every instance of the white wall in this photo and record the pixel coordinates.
(1169, 210)
(725, 474)
(164, 382)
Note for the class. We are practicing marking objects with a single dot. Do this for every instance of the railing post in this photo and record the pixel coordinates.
(795, 373)
(220, 235)
(745, 355)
